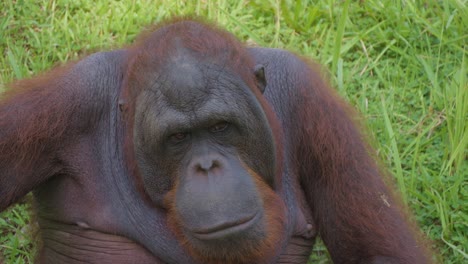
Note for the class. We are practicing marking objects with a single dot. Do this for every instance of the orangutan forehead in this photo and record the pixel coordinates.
(187, 79)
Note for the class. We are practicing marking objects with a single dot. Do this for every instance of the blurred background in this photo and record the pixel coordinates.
(401, 63)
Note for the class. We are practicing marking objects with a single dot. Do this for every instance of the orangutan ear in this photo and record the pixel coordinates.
(259, 72)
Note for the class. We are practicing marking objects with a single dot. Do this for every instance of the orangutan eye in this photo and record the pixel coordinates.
(179, 137)
(219, 127)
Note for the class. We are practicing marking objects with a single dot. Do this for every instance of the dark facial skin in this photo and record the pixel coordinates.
(200, 129)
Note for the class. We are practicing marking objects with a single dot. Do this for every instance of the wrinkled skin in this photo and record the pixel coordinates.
(169, 152)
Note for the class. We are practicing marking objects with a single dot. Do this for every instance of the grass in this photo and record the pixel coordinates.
(403, 64)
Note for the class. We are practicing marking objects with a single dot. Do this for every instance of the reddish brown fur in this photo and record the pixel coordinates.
(342, 162)
(33, 113)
